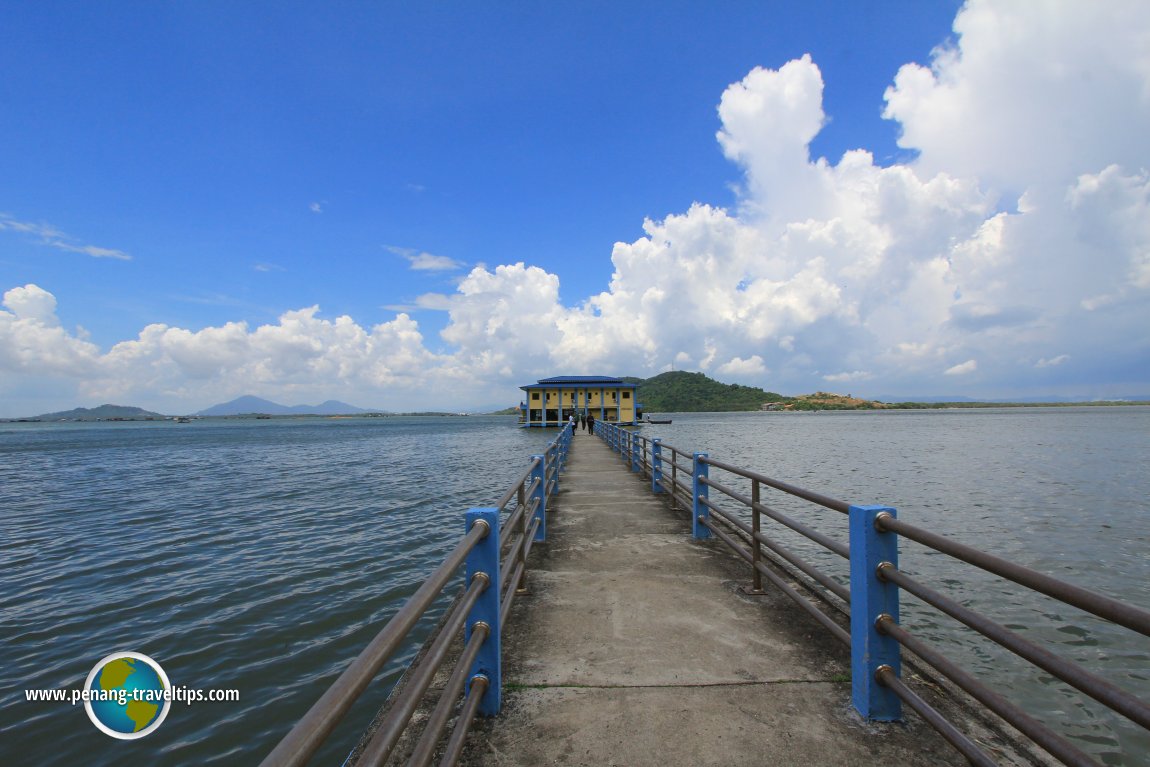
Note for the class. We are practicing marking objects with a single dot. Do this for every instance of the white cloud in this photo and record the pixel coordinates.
(32, 342)
(1052, 362)
(1029, 91)
(422, 261)
(962, 368)
(54, 238)
(738, 368)
(847, 377)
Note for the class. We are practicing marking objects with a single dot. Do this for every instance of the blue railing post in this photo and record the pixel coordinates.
(483, 561)
(698, 493)
(540, 473)
(635, 462)
(657, 465)
(870, 598)
(557, 462)
(563, 442)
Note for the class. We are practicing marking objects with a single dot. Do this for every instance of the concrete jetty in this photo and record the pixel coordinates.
(635, 647)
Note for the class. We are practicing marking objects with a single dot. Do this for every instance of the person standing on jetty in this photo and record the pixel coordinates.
(591, 424)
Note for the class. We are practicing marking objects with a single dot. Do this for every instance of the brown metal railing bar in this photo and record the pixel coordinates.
(810, 495)
(837, 631)
(509, 593)
(756, 535)
(507, 528)
(509, 560)
(1046, 738)
(1131, 617)
(836, 588)
(437, 721)
(310, 732)
(529, 536)
(390, 730)
(956, 738)
(823, 540)
(1111, 696)
(516, 581)
(518, 483)
(458, 739)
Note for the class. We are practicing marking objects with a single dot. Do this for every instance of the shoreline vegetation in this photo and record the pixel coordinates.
(672, 392)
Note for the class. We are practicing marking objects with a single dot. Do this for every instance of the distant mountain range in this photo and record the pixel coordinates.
(249, 405)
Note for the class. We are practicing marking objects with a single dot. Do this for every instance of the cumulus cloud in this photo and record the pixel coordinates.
(33, 343)
(1019, 233)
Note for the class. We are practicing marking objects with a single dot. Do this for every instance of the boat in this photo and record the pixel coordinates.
(657, 420)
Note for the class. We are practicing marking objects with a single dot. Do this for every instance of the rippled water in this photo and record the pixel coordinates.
(251, 555)
(1065, 491)
(263, 555)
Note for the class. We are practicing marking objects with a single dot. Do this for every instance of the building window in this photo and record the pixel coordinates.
(535, 396)
(626, 395)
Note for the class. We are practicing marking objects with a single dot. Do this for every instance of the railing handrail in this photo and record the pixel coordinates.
(712, 518)
(1107, 608)
(310, 732)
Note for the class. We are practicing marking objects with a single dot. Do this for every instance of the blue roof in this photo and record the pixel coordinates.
(581, 379)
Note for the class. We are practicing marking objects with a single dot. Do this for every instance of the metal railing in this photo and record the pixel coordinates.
(869, 605)
(494, 551)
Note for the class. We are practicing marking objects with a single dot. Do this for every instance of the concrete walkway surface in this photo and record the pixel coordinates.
(634, 647)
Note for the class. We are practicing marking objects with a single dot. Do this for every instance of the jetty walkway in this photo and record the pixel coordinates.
(635, 646)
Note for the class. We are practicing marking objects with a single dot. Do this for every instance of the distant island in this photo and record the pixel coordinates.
(103, 413)
(250, 405)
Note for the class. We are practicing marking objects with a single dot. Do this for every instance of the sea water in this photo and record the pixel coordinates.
(261, 556)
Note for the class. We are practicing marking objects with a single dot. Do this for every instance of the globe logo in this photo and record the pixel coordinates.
(127, 695)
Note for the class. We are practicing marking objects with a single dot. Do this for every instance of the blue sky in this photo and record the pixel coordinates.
(176, 179)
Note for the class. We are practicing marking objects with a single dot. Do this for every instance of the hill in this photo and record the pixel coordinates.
(101, 413)
(683, 392)
(249, 405)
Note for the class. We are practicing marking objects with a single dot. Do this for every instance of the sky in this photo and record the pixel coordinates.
(412, 206)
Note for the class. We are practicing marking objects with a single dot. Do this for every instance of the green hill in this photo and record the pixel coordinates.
(683, 392)
(101, 413)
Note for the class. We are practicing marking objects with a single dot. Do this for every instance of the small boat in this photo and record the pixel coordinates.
(657, 420)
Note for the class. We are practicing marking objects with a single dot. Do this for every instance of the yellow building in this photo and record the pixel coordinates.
(551, 401)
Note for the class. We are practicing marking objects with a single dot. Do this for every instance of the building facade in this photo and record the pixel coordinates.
(551, 401)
